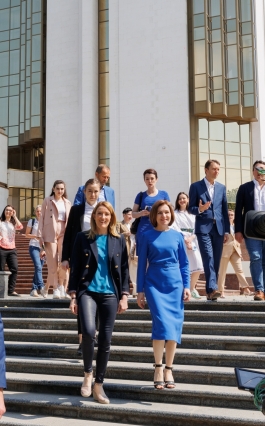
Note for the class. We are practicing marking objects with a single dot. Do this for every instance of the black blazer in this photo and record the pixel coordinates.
(244, 203)
(74, 225)
(84, 264)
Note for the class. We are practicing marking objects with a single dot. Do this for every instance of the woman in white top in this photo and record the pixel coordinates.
(54, 215)
(185, 223)
(36, 253)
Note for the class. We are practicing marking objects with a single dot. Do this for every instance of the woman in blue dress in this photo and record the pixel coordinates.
(165, 284)
(144, 202)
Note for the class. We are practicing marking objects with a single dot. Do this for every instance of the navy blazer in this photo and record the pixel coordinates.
(244, 203)
(109, 194)
(74, 225)
(84, 263)
(218, 209)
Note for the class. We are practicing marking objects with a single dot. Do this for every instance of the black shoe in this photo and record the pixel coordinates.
(96, 342)
(14, 294)
(79, 350)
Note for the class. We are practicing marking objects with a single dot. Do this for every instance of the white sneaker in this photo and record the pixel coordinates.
(195, 294)
(44, 293)
(56, 294)
(63, 294)
(34, 293)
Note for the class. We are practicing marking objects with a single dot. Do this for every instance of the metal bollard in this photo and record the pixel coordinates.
(4, 284)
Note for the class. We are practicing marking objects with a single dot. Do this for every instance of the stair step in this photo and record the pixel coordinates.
(129, 411)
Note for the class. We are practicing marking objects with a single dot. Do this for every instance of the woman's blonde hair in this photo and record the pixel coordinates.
(113, 221)
(154, 210)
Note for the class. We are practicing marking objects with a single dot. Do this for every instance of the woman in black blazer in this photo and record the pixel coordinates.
(99, 280)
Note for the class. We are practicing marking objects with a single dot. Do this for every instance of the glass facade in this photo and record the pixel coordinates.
(230, 144)
(224, 71)
(103, 16)
(22, 94)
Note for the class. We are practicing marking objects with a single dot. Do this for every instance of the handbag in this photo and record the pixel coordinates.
(135, 224)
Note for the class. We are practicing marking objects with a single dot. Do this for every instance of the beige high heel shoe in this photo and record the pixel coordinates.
(86, 388)
(99, 394)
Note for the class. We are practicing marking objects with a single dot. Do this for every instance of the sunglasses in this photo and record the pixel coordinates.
(261, 171)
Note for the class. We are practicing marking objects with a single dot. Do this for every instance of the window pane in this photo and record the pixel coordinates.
(36, 29)
(13, 110)
(233, 85)
(245, 163)
(198, 20)
(36, 6)
(3, 93)
(231, 71)
(247, 64)
(36, 48)
(198, 6)
(13, 141)
(4, 81)
(230, 8)
(245, 10)
(36, 66)
(232, 132)
(216, 130)
(4, 20)
(233, 98)
(4, 63)
(14, 61)
(13, 90)
(216, 59)
(28, 52)
(22, 106)
(231, 25)
(199, 33)
(14, 34)
(14, 44)
(214, 7)
(233, 179)
(4, 46)
(4, 4)
(35, 121)
(244, 132)
(203, 158)
(27, 109)
(15, 2)
(13, 131)
(217, 83)
(246, 176)
(220, 158)
(200, 94)
(14, 79)
(232, 162)
(248, 87)
(200, 80)
(15, 17)
(246, 28)
(216, 147)
(204, 145)
(203, 128)
(232, 148)
(199, 57)
(231, 38)
(216, 35)
(249, 100)
(245, 149)
(246, 40)
(216, 23)
(35, 77)
(218, 96)
(35, 99)
(36, 18)
(4, 112)
(23, 58)
(4, 35)
(23, 12)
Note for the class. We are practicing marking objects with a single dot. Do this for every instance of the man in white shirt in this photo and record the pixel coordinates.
(251, 196)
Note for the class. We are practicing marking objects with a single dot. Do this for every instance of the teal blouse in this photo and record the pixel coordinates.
(102, 281)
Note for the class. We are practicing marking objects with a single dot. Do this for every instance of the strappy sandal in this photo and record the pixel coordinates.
(159, 383)
(169, 384)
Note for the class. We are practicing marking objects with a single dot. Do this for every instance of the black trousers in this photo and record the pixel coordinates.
(107, 305)
(9, 257)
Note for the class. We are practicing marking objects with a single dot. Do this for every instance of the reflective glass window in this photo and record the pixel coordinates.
(246, 40)
(245, 10)
(4, 35)
(246, 175)
(198, 20)
(232, 132)
(14, 44)
(36, 29)
(199, 33)
(247, 63)
(35, 77)
(231, 38)
(248, 86)
(4, 19)
(22, 106)
(216, 147)
(36, 48)
(23, 58)
(217, 83)
(35, 121)
(14, 61)
(36, 66)
(27, 109)
(249, 100)
(230, 9)
(200, 94)
(199, 57)
(14, 79)
(216, 36)
(233, 179)
(15, 17)
(4, 46)
(233, 84)
(28, 52)
(35, 99)
(200, 80)
(233, 98)
(245, 149)
(232, 148)
(13, 141)
(198, 6)
(14, 34)
(203, 158)
(4, 4)
(244, 133)
(13, 110)
(216, 23)
(36, 18)
(23, 12)
(28, 8)
(216, 59)
(203, 145)
(203, 128)
(216, 129)
(246, 28)
(4, 81)
(217, 96)
(13, 131)
(4, 58)
(245, 163)
(232, 62)
(3, 93)
(214, 7)
(232, 161)
(15, 2)
(4, 111)
(36, 6)
(231, 25)
(14, 90)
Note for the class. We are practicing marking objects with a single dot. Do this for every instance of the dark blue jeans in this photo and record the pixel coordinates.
(107, 305)
(37, 283)
(211, 247)
(256, 251)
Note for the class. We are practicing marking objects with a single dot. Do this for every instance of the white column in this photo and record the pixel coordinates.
(258, 128)
(149, 103)
(72, 93)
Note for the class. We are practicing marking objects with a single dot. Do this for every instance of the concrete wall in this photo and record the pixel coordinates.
(149, 112)
(19, 178)
(3, 169)
(72, 93)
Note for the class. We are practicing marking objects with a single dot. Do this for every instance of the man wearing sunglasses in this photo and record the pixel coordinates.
(251, 196)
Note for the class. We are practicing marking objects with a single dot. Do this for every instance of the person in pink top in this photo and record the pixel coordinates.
(9, 224)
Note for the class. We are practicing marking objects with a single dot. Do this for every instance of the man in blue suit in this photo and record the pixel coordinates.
(106, 193)
(207, 201)
(251, 196)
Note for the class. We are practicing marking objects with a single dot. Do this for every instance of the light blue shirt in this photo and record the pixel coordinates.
(102, 281)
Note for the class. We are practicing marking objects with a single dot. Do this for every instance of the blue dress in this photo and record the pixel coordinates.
(149, 201)
(163, 281)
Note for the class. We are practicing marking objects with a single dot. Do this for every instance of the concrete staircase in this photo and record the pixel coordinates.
(45, 374)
